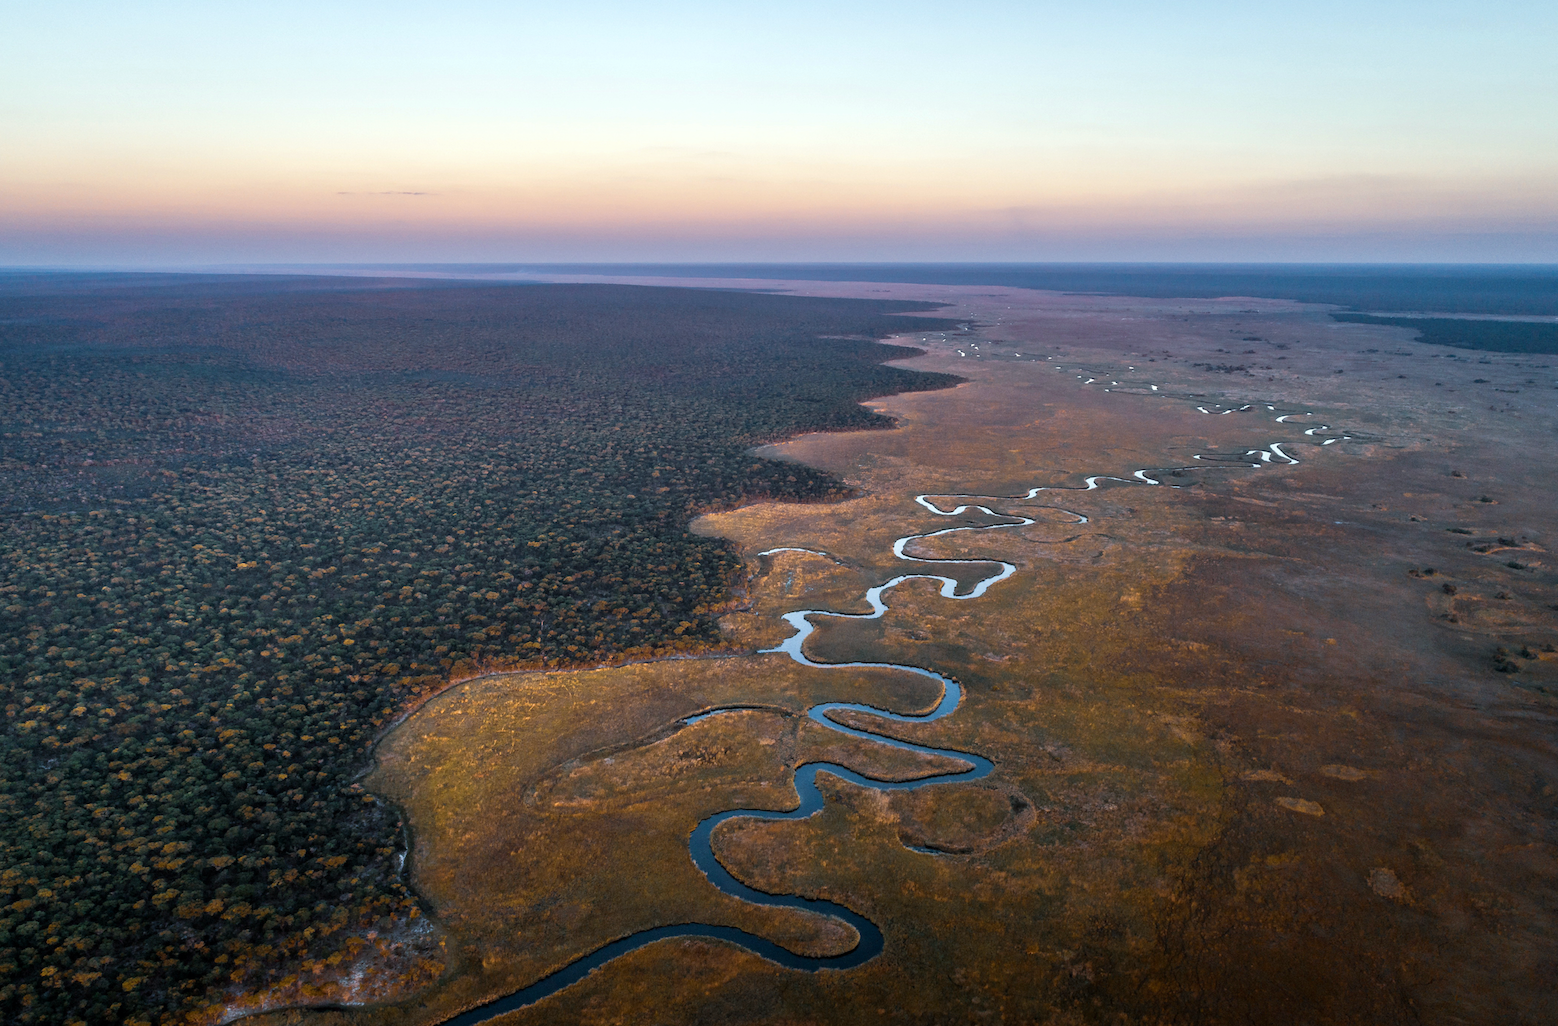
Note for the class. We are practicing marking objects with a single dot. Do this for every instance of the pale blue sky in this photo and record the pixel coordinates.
(988, 130)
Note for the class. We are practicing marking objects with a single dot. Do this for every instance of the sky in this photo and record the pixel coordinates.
(180, 134)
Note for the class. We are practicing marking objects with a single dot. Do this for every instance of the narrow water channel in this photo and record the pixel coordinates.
(700, 846)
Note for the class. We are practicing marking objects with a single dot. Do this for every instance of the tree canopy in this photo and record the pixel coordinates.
(246, 523)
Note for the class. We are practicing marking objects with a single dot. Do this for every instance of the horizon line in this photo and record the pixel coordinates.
(235, 267)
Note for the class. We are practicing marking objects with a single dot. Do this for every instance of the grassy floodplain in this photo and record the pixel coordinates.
(1271, 743)
(248, 522)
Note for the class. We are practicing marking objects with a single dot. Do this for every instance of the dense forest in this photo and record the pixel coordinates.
(247, 522)
(1493, 336)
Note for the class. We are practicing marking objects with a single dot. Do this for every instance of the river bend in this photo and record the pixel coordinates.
(976, 766)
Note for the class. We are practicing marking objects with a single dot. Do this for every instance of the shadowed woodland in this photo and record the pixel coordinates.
(248, 522)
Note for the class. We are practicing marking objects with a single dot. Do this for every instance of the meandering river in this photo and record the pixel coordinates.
(811, 801)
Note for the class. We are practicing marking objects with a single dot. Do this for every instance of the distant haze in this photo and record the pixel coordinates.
(179, 134)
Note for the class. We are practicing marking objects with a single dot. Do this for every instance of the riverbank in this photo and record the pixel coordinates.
(1250, 736)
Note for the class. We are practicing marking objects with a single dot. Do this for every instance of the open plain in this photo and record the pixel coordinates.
(1272, 734)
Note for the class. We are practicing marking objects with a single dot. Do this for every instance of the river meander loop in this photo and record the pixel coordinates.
(811, 800)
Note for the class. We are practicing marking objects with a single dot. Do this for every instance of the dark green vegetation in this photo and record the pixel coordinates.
(246, 522)
(1493, 336)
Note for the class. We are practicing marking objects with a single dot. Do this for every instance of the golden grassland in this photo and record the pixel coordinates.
(551, 812)
(1248, 767)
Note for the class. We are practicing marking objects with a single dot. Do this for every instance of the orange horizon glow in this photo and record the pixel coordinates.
(186, 133)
